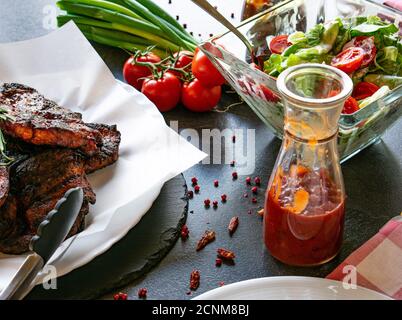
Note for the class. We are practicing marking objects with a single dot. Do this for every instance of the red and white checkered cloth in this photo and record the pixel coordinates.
(378, 262)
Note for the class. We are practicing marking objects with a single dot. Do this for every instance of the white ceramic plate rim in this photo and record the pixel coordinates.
(252, 286)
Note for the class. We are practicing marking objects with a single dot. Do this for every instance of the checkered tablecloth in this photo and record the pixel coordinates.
(378, 262)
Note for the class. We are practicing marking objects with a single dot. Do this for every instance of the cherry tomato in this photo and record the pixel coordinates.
(278, 44)
(350, 106)
(184, 60)
(164, 92)
(367, 44)
(349, 60)
(204, 70)
(198, 98)
(364, 90)
(133, 73)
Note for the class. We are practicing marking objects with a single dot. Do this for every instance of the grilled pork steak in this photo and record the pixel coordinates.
(40, 121)
(53, 151)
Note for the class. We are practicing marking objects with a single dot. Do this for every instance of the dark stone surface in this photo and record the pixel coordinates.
(372, 179)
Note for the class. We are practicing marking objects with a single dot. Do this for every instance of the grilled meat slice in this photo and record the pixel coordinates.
(4, 185)
(8, 217)
(40, 121)
(108, 152)
(37, 183)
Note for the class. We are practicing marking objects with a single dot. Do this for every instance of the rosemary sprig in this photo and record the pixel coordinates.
(6, 160)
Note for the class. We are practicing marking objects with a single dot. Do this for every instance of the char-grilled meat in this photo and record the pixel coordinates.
(37, 120)
(53, 150)
(109, 150)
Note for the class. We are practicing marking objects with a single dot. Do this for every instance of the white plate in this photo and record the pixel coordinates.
(290, 288)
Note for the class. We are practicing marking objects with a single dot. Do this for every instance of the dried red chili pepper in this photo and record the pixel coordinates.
(142, 293)
(233, 224)
(194, 280)
(207, 237)
(184, 232)
(225, 254)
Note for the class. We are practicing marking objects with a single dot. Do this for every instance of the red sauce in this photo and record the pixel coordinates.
(307, 228)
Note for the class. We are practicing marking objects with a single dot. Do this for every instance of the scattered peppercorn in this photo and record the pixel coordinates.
(221, 283)
(194, 181)
(207, 237)
(234, 175)
(225, 254)
(184, 232)
(254, 190)
(233, 224)
(218, 262)
(232, 163)
(142, 293)
(248, 180)
(215, 204)
(120, 296)
(185, 25)
(216, 183)
(254, 200)
(207, 202)
(194, 280)
(257, 181)
(190, 194)
(197, 188)
(233, 138)
(224, 198)
(232, 15)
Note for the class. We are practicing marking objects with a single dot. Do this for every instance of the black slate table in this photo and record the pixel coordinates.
(372, 178)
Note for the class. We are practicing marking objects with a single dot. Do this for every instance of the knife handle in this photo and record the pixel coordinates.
(23, 278)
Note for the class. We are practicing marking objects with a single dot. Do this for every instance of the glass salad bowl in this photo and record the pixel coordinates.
(259, 91)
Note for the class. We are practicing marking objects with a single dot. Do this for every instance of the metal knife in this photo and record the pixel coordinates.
(51, 233)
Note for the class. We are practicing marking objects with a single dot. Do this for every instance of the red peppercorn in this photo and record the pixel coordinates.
(142, 293)
(184, 232)
(224, 197)
(232, 163)
(257, 181)
(218, 262)
(216, 183)
(248, 180)
(190, 194)
(234, 175)
(254, 190)
(120, 296)
(215, 204)
(221, 283)
(254, 200)
(194, 181)
(197, 188)
(207, 202)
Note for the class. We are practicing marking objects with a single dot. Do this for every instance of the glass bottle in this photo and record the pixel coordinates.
(305, 200)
